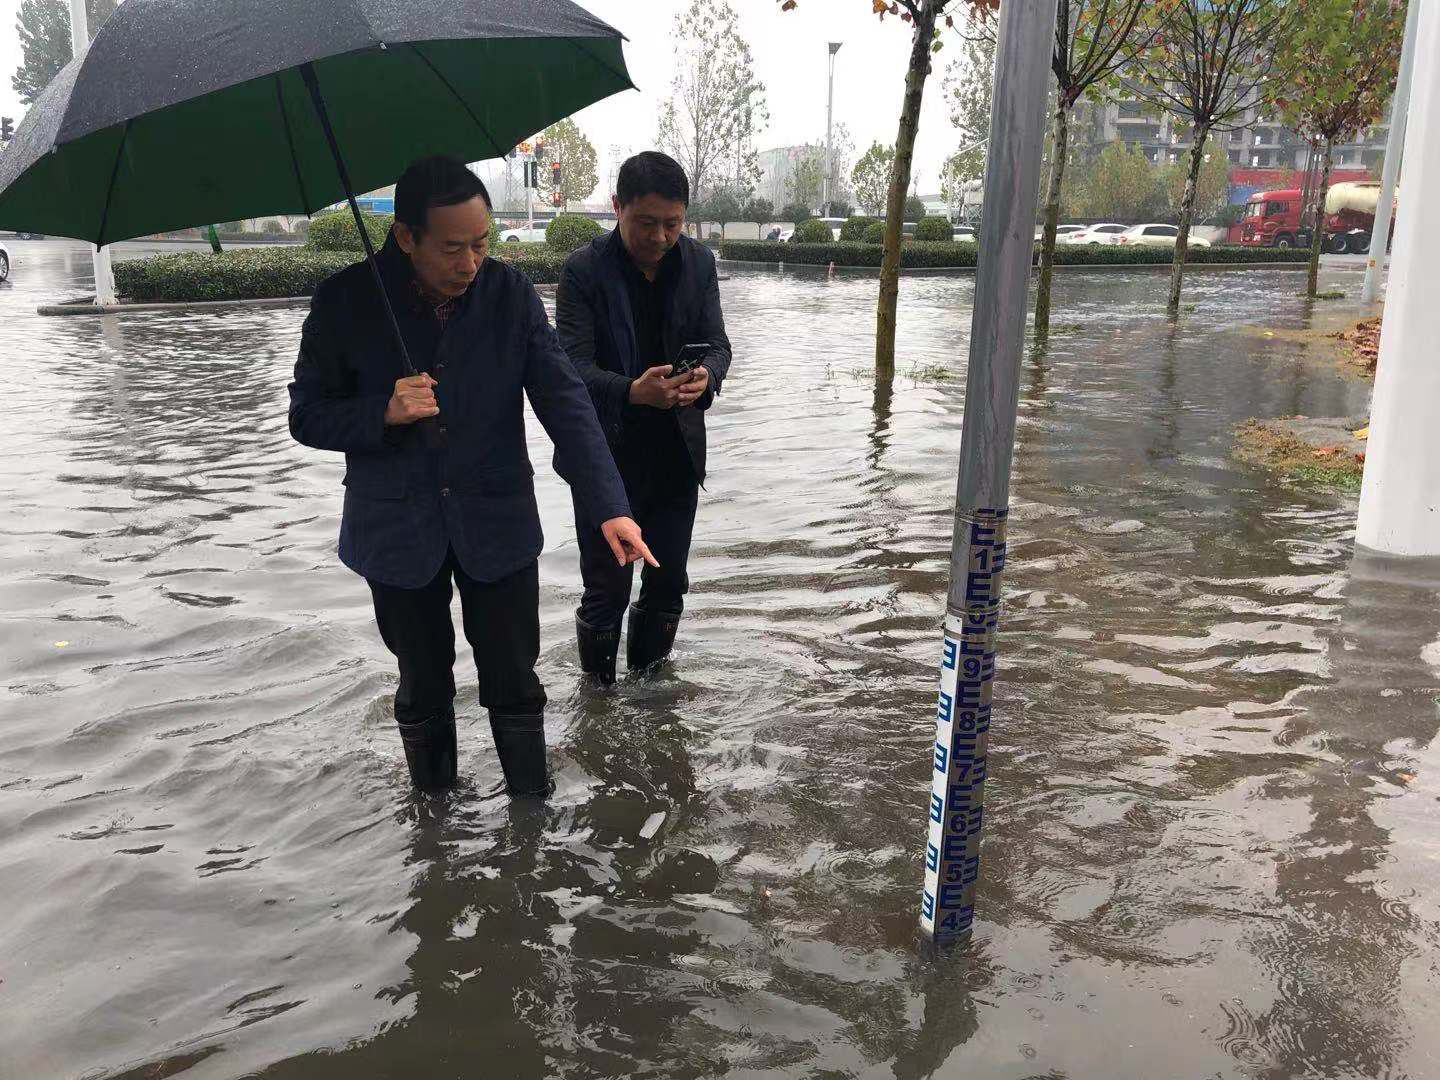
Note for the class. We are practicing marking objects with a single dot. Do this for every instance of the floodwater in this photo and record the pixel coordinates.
(1211, 826)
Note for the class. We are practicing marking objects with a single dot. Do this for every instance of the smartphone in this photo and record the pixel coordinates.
(689, 358)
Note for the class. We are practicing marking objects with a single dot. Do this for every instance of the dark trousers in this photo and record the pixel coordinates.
(502, 624)
(663, 496)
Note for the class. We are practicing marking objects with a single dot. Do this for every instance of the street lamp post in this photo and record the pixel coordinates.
(104, 275)
(829, 117)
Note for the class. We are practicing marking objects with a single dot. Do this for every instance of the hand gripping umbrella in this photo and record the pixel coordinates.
(185, 112)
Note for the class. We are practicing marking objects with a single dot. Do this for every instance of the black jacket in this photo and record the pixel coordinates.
(405, 504)
(597, 328)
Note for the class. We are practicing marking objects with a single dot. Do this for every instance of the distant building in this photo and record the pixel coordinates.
(776, 168)
(1260, 142)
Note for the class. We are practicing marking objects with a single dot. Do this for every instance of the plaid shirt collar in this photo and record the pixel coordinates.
(438, 308)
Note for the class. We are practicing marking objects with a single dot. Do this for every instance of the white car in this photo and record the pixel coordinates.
(523, 235)
(1061, 231)
(1096, 235)
(965, 233)
(4, 263)
(1157, 235)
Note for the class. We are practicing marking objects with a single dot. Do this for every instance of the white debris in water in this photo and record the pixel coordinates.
(1129, 525)
(652, 825)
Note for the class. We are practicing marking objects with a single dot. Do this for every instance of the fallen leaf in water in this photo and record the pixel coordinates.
(61, 644)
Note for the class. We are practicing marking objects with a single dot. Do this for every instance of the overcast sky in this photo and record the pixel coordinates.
(790, 59)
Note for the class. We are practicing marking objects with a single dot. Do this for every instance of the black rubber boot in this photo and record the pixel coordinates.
(430, 752)
(597, 650)
(520, 742)
(649, 637)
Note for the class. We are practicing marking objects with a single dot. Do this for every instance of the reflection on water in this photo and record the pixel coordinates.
(1211, 811)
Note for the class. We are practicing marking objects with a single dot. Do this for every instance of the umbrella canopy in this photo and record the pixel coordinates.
(186, 112)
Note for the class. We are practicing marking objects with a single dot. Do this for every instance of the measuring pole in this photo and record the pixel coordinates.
(1394, 149)
(987, 444)
(104, 275)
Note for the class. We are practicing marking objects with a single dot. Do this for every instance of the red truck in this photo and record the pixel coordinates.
(1278, 219)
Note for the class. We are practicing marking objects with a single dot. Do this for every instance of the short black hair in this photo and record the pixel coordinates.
(434, 181)
(652, 173)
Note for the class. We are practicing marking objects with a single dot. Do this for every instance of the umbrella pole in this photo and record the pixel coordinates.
(307, 72)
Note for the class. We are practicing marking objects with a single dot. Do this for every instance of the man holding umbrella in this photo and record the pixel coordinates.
(438, 481)
(153, 128)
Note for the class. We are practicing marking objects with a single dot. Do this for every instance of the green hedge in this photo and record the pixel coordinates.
(812, 232)
(335, 231)
(918, 253)
(570, 231)
(874, 233)
(934, 229)
(272, 273)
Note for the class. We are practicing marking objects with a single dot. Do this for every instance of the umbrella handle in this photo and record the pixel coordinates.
(307, 72)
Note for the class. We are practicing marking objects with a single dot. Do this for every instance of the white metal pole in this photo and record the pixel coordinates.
(1394, 147)
(1400, 495)
(100, 256)
(530, 197)
(987, 446)
(829, 118)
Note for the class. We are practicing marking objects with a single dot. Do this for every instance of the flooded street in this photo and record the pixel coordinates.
(1212, 814)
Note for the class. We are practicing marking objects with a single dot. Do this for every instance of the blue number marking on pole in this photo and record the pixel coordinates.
(962, 725)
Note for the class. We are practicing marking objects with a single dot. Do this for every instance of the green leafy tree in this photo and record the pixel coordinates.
(1120, 186)
(1208, 64)
(1212, 186)
(1339, 62)
(870, 179)
(914, 209)
(716, 104)
(795, 213)
(567, 146)
(802, 186)
(760, 210)
(725, 207)
(42, 28)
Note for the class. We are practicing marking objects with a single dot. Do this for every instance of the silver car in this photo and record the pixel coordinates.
(4, 263)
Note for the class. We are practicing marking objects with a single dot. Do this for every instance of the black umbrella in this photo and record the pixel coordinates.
(185, 112)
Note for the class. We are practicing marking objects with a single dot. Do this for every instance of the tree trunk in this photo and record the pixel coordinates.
(1052, 217)
(1187, 212)
(1317, 238)
(899, 188)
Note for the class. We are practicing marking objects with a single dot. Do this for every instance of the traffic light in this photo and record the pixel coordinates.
(7, 129)
(555, 176)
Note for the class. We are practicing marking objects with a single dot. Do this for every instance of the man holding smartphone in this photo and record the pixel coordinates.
(635, 309)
